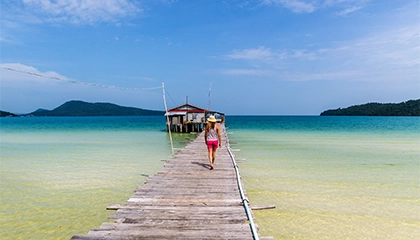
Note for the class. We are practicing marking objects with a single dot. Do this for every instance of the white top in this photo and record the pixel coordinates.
(212, 134)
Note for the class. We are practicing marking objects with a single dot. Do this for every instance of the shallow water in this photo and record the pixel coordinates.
(329, 177)
(59, 174)
(354, 180)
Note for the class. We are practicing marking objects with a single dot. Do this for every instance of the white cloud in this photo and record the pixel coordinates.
(298, 6)
(17, 73)
(397, 47)
(248, 72)
(346, 6)
(81, 11)
(263, 53)
(260, 53)
(20, 75)
(309, 6)
(302, 54)
(349, 10)
(387, 56)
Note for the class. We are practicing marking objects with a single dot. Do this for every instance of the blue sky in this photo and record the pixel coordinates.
(268, 57)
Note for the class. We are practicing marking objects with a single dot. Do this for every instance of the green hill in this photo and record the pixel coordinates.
(7, 114)
(80, 108)
(408, 108)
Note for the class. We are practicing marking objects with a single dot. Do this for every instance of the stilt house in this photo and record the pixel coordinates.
(189, 118)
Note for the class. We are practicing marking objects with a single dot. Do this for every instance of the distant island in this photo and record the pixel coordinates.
(80, 108)
(408, 108)
(7, 114)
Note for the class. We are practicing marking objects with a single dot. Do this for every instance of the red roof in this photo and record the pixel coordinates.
(188, 108)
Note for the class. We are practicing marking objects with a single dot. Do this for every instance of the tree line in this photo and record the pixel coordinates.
(408, 108)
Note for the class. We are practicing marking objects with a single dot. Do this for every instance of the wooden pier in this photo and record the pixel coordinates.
(185, 200)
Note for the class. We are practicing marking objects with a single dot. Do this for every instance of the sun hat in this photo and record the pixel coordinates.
(211, 119)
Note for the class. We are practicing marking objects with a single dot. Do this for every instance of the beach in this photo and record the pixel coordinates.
(329, 177)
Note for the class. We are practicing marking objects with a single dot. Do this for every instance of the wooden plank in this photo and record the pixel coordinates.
(167, 224)
(169, 207)
(184, 200)
(263, 207)
(173, 200)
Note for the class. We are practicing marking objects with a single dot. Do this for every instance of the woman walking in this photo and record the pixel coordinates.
(212, 138)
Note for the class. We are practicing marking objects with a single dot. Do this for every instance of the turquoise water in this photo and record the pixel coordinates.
(329, 177)
(332, 177)
(59, 174)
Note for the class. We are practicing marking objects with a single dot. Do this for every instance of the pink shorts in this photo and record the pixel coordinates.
(212, 144)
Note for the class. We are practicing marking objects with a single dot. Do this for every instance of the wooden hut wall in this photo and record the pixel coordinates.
(196, 117)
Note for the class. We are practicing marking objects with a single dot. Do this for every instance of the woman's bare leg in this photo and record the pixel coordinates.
(213, 156)
(211, 160)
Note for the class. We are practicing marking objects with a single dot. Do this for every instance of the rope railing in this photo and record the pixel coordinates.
(245, 200)
(78, 82)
